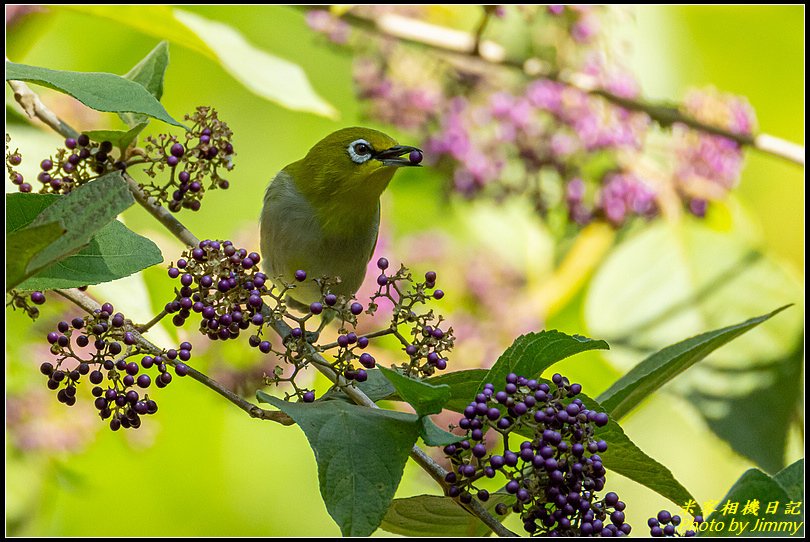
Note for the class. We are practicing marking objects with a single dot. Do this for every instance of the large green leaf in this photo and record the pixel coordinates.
(80, 214)
(425, 398)
(148, 73)
(100, 91)
(683, 279)
(533, 353)
(432, 515)
(361, 454)
(658, 369)
(264, 74)
(84, 211)
(754, 486)
(23, 245)
(114, 252)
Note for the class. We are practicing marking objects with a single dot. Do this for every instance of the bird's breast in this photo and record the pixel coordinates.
(294, 235)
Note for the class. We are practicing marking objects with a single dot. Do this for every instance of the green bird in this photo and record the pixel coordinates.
(321, 214)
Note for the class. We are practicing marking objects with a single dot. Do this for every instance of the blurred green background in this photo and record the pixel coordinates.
(202, 467)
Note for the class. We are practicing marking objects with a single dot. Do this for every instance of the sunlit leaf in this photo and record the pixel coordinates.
(100, 91)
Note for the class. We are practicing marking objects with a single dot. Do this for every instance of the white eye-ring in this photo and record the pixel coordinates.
(360, 151)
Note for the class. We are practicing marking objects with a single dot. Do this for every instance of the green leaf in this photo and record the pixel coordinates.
(100, 91)
(686, 279)
(262, 73)
(533, 353)
(625, 458)
(658, 369)
(148, 73)
(376, 388)
(22, 209)
(432, 515)
(83, 212)
(119, 138)
(114, 252)
(791, 478)
(463, 386)
(755, 485)
(433, 435)
(361, 454)
(423, 397)
(23, 245)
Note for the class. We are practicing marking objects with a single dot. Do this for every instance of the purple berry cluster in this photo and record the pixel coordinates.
(665, 524)
(429, 343)
(194, 165)
(79, 161)
(223, 284)
(102, 347)
(539, 128)
(13, 160)
(554, 473)
(19, 300)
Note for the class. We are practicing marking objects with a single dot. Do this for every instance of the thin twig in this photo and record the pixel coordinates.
(471, 46)
(89, 305)
(143, 328)
(373, 335)
(34, 108)
(162, 214)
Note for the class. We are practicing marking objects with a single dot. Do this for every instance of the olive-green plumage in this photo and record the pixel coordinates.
(322, 213)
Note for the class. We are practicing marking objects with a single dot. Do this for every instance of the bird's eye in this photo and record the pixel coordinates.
(360, 151)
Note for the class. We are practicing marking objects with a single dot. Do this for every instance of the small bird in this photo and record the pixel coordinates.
(321, 214)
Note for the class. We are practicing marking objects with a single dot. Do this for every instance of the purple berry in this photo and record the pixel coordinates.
(177, 150)
(382, 263)
(438, 294)
(300, 275)
(38, 298)
(316, 308)
(356, 308)
(415, 156)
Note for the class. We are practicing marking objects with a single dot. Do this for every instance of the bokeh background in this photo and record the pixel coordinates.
(202, 467)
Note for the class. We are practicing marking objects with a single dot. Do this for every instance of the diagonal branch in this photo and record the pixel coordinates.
(182, 233)
(89, 304)
(471, 47)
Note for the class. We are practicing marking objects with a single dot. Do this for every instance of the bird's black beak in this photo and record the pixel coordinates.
(393, 156)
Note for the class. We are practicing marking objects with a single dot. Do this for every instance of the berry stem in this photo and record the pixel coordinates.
(143, 328)
(375, 334)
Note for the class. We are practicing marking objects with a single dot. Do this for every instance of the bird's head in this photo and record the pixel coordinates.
(352, 166)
